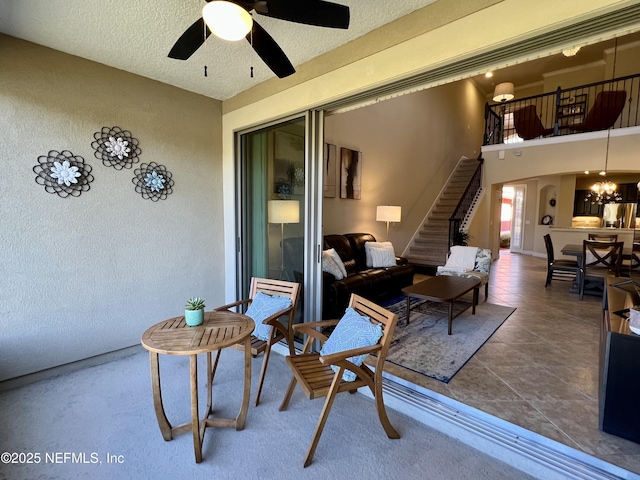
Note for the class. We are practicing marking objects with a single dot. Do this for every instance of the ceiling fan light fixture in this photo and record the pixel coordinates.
(227, 20)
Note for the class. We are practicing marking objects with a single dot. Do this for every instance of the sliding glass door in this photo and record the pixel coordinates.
(278, 207)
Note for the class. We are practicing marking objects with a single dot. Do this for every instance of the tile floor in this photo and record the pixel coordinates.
(540, 369)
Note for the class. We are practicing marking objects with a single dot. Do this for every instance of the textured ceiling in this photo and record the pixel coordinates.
(136, 35)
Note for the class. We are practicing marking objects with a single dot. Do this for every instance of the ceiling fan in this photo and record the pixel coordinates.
(310, 12)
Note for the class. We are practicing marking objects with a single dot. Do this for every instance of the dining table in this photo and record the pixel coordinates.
(219, 330)
(577, 250)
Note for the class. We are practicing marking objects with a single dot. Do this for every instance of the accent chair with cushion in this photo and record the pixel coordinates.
(604, 113)
(269, 300)
(365, 328)
(468, 262)
(528, 124)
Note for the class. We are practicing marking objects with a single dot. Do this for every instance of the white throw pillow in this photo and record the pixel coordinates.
(369, 246)
(383, 257)
(462, 257)
(338, 260)
(329, 265)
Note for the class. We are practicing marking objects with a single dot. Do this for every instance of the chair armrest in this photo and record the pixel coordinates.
(231, 305)
(354, 352)
(309, 328)
(276, 316)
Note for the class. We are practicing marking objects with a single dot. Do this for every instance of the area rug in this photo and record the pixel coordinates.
(424, 347)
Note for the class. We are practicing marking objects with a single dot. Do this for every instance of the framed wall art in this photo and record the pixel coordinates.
(350, 174)
(288, 164)
(329, 170)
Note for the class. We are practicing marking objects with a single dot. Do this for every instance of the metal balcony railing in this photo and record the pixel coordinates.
(597, 106)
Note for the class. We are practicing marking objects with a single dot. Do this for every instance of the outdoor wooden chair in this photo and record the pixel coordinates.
(316, 374)
(277, 330)
(599, 260)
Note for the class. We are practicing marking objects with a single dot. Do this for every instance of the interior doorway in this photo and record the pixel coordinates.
(506, 211)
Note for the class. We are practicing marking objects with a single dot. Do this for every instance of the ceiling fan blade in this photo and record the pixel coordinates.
(309, 12)
(190, 41)
(269, 51)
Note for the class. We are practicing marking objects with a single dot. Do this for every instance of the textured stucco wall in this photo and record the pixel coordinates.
(87, 275)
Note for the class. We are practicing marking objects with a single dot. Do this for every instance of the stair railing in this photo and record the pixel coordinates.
(464, 205)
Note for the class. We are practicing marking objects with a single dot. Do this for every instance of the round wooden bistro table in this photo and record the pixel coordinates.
(174, 337)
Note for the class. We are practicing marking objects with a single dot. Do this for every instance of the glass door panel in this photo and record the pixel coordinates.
(272, 204)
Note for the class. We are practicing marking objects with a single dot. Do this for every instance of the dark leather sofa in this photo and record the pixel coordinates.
(372, 283)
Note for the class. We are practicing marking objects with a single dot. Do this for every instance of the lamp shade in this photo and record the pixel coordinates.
(227, 20)
(283, 211)
(503, 92)
(388, 213)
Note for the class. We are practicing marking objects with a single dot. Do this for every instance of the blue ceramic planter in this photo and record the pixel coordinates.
(194, 317)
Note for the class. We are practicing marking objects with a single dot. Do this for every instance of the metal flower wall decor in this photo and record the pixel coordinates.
(153, 181)
(116, 148)
(63, 173)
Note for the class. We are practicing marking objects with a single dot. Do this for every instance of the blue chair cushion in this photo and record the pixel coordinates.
(263, 306)
(352, 331)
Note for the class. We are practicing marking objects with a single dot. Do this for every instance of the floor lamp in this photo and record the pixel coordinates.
(283, 211)
(388, 213)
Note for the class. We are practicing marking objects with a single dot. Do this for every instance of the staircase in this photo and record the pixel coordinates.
(431, 245)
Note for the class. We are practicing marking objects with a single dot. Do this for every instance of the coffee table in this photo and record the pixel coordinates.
(443, 289)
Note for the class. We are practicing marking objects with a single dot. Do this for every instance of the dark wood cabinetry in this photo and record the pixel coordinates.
(582, 205)
(628, 192)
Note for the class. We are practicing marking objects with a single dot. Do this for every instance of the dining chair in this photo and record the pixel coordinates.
(269, 300)
(559, 269)
(366, 328)
(599, 260)
(603, 237)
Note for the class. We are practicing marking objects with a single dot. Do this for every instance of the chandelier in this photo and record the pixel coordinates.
(603, 192)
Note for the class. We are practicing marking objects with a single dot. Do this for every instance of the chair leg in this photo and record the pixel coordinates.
(581, 281)
(263, 370)
(486, 291)
(287, 397)
(382, 413)
(549, 275)
(331, 395)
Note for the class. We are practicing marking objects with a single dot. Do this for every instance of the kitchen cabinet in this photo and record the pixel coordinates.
(582, 205)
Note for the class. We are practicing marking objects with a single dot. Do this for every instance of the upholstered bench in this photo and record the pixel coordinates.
(469, 262)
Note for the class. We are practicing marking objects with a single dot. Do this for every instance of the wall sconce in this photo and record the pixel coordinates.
(503, 92)
(388, 213)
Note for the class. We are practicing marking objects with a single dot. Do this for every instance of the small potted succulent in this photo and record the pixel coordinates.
(194, 311)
